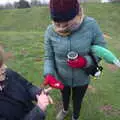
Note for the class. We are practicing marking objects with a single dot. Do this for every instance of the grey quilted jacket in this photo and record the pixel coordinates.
(80, 41)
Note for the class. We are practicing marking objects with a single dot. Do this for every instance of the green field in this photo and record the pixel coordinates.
(22, 33)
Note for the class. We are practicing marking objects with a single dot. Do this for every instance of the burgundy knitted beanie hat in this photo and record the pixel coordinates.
(64, 10)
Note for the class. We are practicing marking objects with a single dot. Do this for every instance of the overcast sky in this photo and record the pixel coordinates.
(12, 1)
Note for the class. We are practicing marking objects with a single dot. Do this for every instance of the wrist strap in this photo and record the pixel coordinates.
(93, 58)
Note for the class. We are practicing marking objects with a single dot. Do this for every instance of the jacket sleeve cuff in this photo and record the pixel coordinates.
(35, 114)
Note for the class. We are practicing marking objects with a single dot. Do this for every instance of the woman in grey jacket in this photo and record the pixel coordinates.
(67, 45)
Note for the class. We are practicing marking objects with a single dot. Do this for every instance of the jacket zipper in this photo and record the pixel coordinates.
(69, 51)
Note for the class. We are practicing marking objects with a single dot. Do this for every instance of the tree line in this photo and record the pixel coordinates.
(22, 4)
(26, 4)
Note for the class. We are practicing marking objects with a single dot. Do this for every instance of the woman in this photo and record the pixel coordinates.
(17, 96)
(67, 45)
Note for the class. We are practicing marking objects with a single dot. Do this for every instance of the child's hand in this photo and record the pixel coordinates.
(43, 100)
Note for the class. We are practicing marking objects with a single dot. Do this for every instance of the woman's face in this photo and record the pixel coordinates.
(66, 24)
(61, 24)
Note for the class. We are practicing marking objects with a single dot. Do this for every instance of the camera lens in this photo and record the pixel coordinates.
(72, 55)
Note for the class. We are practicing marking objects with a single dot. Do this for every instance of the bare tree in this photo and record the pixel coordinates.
(35, 3)
(23, 4)
(115, 0)
(8, 6)
(1, 7)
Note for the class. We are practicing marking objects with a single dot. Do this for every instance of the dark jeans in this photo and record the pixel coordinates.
(77, 97)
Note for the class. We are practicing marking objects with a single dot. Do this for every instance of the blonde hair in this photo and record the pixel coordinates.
(1, 56)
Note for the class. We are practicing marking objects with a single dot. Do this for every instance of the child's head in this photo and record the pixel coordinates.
(4, 56)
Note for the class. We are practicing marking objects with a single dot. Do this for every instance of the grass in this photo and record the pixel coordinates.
(22, 33)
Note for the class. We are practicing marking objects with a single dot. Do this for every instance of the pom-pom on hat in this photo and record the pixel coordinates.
(63, 10)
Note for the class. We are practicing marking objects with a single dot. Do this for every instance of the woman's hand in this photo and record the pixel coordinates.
(53, 82)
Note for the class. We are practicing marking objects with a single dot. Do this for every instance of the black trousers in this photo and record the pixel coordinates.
(77, 97)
